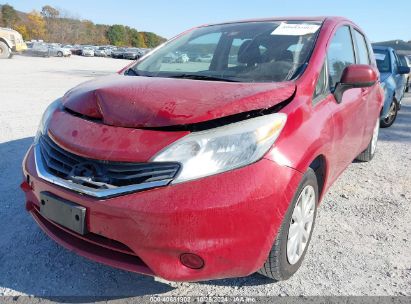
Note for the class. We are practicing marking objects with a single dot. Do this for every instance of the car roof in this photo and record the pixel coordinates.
(332, 19)
(382, 48)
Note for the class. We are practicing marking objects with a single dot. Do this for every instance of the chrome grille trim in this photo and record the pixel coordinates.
(43, 173)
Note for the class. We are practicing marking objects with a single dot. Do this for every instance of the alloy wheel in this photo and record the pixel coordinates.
(301, 224)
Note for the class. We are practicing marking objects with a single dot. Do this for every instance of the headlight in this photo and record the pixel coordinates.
(224, 148)
(46, 118)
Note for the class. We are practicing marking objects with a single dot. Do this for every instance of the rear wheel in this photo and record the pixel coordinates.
(60, 54)
(407, 88)
(392, 115)
(5, 51)
(294, 235)
(369, 153)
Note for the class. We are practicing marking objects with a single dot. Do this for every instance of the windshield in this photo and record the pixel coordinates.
(383, 61)
(245, 52)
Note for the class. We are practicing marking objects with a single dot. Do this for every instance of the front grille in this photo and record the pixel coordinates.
(98, 174)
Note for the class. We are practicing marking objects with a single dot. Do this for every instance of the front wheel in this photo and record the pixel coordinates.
(294, 235)
(392, 115)
(59, 54)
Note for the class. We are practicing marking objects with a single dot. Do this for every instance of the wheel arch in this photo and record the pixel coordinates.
(6, 41)
(319, 166)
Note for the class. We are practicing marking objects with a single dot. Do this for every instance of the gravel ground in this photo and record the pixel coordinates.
(360, 246)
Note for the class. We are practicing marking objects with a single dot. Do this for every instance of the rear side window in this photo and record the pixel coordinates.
(340, 54)
(362, 51)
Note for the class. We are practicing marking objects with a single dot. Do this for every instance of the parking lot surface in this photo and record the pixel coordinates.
(360, 246)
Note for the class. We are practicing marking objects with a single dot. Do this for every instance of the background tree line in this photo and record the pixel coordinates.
(56, 25)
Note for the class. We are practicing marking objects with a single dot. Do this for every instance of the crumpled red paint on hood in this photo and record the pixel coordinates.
(129, 101)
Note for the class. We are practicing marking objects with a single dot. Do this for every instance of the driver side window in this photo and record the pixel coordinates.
(339, 55)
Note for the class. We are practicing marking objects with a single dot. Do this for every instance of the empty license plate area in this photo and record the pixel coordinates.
(63, 212)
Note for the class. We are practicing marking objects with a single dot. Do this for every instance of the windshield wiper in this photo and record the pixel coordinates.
(132, 71)
(202, 77)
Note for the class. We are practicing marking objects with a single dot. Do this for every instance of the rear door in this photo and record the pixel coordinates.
(369, 95)
(349, 116)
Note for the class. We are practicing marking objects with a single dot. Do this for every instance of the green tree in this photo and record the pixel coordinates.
(152, 40)
(136, 38)
(9, 16)
(117, 35)
(48, 11)
(50, 16)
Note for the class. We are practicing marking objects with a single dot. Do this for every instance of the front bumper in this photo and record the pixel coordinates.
(230, 220)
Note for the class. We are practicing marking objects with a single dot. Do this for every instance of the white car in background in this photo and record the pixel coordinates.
(183, 58)
(88, 51)
(102, 52)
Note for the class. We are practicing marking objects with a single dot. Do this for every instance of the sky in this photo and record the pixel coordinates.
(380, 20)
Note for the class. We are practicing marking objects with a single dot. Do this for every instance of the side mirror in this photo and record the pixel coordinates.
(355, 76)
(402, 69)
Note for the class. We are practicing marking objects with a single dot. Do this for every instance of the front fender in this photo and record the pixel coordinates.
(307, 135)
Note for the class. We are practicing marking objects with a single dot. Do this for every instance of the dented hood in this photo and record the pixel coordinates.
(129, 101)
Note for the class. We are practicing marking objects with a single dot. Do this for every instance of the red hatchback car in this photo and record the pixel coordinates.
(208, 157)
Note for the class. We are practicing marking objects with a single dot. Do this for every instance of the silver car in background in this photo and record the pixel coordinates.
(57, 51)
(46, 50)
(103, 51)
(88, 51)
(132, 53)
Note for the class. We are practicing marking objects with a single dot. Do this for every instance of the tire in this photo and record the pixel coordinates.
(387, 122)
(407, 88)
(5, 51)
(278, 265)
(59, 54)
(369, 153)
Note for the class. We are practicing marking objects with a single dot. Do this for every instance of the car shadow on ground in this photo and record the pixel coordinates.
(255, 279)
(400, 131)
